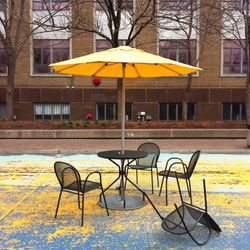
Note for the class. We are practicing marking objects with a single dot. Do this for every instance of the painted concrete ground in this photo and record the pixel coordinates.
(29, 192)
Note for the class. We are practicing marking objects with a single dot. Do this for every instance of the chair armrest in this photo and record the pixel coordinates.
(88, 176)
(177, 159)
(184, 166)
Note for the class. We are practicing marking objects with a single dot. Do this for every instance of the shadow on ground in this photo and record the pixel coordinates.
(29, 192)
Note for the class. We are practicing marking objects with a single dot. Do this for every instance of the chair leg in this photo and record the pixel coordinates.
(190, 191)
(126, 173)
(58, 202)
(78, 197)
(161, 185)
(82, 209)
(104, 198)
(166, 191)
(152, 180)
(157, 173)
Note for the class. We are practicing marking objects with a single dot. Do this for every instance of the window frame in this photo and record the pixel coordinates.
(51, 5)
(174, 5)
(52, 47)
(52, 106)
(231, 106)
(128, 7)
(177, 45)
(242, 58)
(128, 111)
(120, 41)
(166, 106)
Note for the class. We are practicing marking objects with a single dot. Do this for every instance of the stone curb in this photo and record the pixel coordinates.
(129, 134)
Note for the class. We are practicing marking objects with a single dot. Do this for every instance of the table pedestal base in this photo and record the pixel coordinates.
(114, 202)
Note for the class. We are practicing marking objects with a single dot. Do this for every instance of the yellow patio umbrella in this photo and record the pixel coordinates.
(123, 62)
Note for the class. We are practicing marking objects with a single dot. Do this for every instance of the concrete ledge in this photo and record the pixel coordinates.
(130, 133)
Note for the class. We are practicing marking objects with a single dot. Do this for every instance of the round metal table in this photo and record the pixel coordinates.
(122, 201)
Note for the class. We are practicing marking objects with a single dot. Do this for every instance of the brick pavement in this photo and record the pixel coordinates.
(68, 146)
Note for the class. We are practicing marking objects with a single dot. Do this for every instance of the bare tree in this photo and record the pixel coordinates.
(186, 22)
(15, 33)
(235, 26)
(111, 19)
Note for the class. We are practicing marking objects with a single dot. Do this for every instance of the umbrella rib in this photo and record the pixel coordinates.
(136, 70)
(164, 66)
(103, 66)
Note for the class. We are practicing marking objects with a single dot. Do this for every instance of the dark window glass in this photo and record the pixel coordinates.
(100, 111)
(163, 111)
(234, 58)
(109, 111)
(191, 111)
(48, 51)
(235, 5)
(178, 50)
(102, 44)
(170, 111)
(125, 5)
(3, 5)
(50, 4)
(176, 5)
(128, 111)
(234, 111)
(3, 66)
(2, 110)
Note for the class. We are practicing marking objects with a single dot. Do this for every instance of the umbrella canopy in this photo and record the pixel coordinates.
(123, 62)
(109, 63)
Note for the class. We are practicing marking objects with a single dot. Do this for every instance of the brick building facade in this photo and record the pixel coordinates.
(215, 95)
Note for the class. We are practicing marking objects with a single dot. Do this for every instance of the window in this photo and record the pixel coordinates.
(50, 4)
(234, 111)
(175, 5)
(125, 5)
(170, 111)
(51, 111)
(3, 66)
(3, 5)
(2, 110)
(109, 111)
(235, 4)
(177, 50)
(191, 111)
(48, 51)
(234, 58)
(103, 44)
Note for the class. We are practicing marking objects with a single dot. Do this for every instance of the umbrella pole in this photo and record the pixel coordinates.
(123, 108)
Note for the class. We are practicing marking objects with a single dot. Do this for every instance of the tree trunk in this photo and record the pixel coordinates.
(10, 92)
(247, 101)
(247, 97)
(186, 98)
(119, 99)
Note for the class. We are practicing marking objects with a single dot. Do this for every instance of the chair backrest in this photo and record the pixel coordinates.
(153, 151)
(192, 163)
(67, 174)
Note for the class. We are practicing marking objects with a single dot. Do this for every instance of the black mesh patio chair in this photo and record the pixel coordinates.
(191, 220)
(70, 181)
(185, 172)
(188, 219)
(147, 163)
